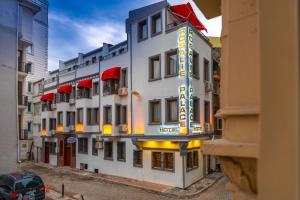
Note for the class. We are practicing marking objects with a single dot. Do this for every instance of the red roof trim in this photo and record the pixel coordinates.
(47, 97)
(88, 83)
(65, 88)
(111, 73)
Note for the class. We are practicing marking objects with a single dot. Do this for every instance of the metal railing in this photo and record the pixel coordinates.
(25, 134)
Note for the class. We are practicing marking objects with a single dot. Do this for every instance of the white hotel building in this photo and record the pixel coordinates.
(126, 109)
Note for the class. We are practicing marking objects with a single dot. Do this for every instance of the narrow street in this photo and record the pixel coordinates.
(93, 189)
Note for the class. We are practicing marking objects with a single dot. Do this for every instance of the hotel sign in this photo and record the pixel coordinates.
(185, 90)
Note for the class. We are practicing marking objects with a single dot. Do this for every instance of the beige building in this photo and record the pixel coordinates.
(259, 151)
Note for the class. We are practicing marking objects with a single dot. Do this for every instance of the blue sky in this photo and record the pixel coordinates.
(83, 25)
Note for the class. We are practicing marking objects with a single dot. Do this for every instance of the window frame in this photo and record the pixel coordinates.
(206, 73)
(78, 116)
(105, 157)
(140, 30)
(105, 121)
(192, 160)
(162, 161)
(205, 119)
(94, 149)
(84, 149)
(167, 112)
(135, 164)
(151, 66)
(150, 111)
(89, 118)
(96, 88)
(167, 63)
(121, 151)
(196, 75)
(154, 17)
(199, 110)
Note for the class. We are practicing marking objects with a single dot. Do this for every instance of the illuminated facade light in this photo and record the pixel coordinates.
(107, 129)
(79, 127)
(59, 128)
(44, 132)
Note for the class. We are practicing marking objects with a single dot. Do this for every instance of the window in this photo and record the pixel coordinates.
(83, 93)
(37, 108)
(94, 59)
(156, 24)
(192, 160)
(156, 160)
(29, 86)
(142, 30)
(29, 126)
(63, 97)
(87, 62)
(137, 158)
(121, 114)
(171, 63)
(206, 112)
(43, 123)
(108, 150)
(96, 88)
(195, 64)
(96, 116)
(124, 77)
(52, 123)
(154, 67)
(94, 150)
(206, 70)
(83, 145)
(163, 161)
(110, 86)
(60, 118)
(121, 151)
(52, 146)
(29, 49)
(29, 107)
(70, 118)
(107, 115)
(154, 112)
(80, 115)
(89, 116)
(218, 123)
(168, 161)
(196, 110)
(28, 67)
(172, 110)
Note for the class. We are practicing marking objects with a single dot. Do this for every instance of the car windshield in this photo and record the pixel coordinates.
(5, 182)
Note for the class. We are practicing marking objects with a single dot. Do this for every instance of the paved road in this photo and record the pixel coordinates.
(94, 189)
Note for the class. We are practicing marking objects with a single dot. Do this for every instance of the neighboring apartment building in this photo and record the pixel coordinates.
(34, 59)
(19, 35)
(138, 109)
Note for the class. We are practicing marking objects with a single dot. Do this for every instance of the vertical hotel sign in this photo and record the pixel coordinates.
(185, 57)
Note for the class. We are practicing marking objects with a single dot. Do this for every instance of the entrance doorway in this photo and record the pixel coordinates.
(67, 156)
(47, 151)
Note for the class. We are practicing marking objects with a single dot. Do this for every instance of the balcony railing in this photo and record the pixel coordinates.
(25, 134)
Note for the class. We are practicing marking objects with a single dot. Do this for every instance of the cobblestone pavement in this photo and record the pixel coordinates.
(93, 189)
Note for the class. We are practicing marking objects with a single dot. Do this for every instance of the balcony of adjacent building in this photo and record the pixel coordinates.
(25, 134)
(22, 102)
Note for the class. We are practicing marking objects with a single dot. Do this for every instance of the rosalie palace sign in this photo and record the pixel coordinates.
(185, 90)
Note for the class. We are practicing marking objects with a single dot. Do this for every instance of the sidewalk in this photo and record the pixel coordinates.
(169, 191)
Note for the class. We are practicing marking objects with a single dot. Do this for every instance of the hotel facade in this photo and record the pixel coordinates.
(138, 109)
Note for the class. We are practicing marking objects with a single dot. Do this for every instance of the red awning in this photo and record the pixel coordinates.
(110, 73)
(65, 89)
(47, 97)
(186, 12)
(88, 83)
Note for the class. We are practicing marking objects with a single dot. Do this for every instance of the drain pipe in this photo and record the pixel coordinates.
(17, 89)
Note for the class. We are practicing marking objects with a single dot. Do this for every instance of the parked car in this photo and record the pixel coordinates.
(21, 185)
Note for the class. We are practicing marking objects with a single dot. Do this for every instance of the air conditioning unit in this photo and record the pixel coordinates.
(208, 86)
(53, 106)
(99, 145)
(123, 128)
(72, 128)
(122, 91)
(99, 138)
(207, 127)
(72, 101)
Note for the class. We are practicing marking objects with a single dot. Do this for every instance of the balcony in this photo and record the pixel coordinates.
(25, 134)
(48, 106)
(22, 70)
(22, 102)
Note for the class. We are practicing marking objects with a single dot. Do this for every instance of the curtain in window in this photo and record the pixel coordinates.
(156, 72)
(173, 111)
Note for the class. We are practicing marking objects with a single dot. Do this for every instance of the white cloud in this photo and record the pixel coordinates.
(86, 35)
